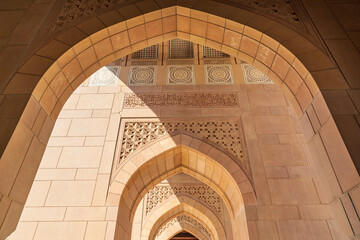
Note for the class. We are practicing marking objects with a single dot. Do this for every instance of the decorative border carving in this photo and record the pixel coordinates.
(161, 193)
(226, 134)
(206, 99)
(183, 218)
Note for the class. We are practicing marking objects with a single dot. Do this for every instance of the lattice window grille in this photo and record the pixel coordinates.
(213, 53)
(151, 52)
(179, 49)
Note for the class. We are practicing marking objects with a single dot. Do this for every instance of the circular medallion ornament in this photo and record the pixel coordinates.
(180, 75)
(106, 76)
(142, 75)
(218, 74)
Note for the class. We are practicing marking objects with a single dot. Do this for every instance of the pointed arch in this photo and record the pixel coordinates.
(187, 205)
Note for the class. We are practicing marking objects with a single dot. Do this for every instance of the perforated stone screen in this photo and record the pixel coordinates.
(151, 52)
(213, 53)
(180, 49)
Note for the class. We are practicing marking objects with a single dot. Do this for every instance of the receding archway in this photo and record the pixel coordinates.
(184, 205)
(175, 160)
(83, 59)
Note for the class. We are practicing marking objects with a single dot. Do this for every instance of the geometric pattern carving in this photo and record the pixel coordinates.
(74, 9)
(213, 53)
(219, 74)
(147, 53)
(180, 75)
(142, 75)
(179, 48)
(180, 219)
(227, 134)
(105, 76)
(202, 192)
(254, 76)
(206, 99)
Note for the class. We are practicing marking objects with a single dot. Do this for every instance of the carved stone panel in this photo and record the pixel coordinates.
(105, 76)
(142, 75)
(206, 194)
(180, 219)
(219, 74)
(226, 134)
(180, 75)
(254, 76)
(206, 99)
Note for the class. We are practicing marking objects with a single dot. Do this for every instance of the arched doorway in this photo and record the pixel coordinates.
(50, 97)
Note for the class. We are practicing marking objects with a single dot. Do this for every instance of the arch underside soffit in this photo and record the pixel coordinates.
(280, 17)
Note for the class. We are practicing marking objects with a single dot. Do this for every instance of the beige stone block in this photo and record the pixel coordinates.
(277, 212)
(113, 128)
(24, 231)
(219, 112)
(95, 231)
(74, 114)
(61, 127)
(38, 193)
(86, 174)
(42, 214)
(51, 157)
(101, 190)
(60, 231)
(143, 113)
(110, 230)
(101, 113)
(107, 157)
(267, 230)
(94, 141)
(282, 155)
(85, 214)
(95, 101)
(276, 172)
(66, 141)
(88, 127)
(70, 193)
(80, 157)
(315, 212)
(118, 102)
(86, 90)
(339, 156)
(111, 213)
(274, 124)
(71, 102)
(55, 174)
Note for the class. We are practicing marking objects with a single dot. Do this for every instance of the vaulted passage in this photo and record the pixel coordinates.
(178, 124)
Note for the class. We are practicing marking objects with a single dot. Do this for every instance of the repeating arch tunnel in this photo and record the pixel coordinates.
(121, 39)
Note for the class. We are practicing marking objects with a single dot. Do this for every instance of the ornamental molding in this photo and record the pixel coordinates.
(183, 219)
(161, 193)
(72, 10)
(205, 99)
(226, 134)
